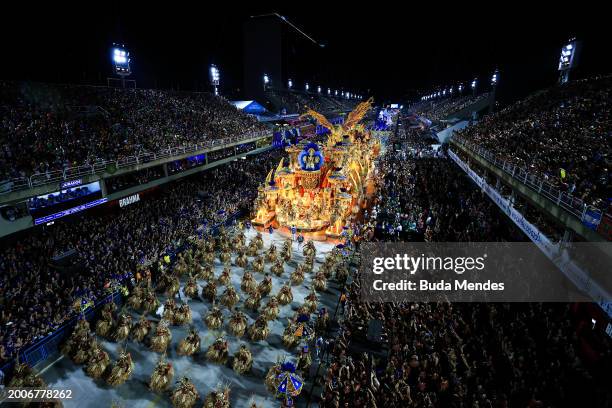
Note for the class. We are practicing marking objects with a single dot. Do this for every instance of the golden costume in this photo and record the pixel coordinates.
(150, 303)
(319, 283)
(309, 249)
(258, 264)
(310, 302)
(141, 329)
(265, 286)
(190, 344)
(214, 318)
(230, 297)
(98, 363)
(271, 255)
(182, 315)
(122, 370)
(237, 324)
(285, 296)
(226, 276)
(271, 379)
(253, 302)
(277, 268)
(341, 273)
(271, 309)
(242, 260)
(209, 292)
(169, 310)
(162, 337)
(243, 360)
(123, 327)
(162, 375)
(248, 284)
(25, 376)
(191, 288)
(290, 339)
(218, 352)
(184, 395)
(297, 276)
(105, 324)
(225, 257)
(218, 399)
(286, 251)
(259, 330)
(259, 241)
(252, 249)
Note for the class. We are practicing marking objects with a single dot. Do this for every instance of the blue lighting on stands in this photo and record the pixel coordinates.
(69, 211)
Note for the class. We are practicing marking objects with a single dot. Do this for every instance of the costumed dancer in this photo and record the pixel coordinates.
(265, 286)
(182, 315)
(243, 360)
(220, 398)
(190, 344)
(226, 276)
(277, 269)
(297, 276)
(218, 352)
(230, 297)
(162, 375)
(191, 288)
(242, 260)
(259, 330)
(237, 323)
(122, 370)
(271, 309)
(214, 318)
(310, 302)
(285, 296)
(271, 254)
(209, 292)
(253, 301)
(320, 282)
(185, 394)
(258, 264)
(248, 284)
(162, 337)
(207, 272)
(98, 363)
(124, 324)
(141, 329)
(169, 310)
(105, 324)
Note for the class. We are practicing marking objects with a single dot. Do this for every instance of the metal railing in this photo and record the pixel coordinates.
(99, 167)
(574, 206)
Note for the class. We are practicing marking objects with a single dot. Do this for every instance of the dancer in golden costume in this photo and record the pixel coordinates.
(209, 292)
(105, 324)
(25, 376)
(253, 301)
(297, 276)
(98, 363)
(220, 398)
(85, 345)
(191, 287)
(225, 257)
(258, 264)
(123, 327)
(248, 284)
(122, 370)
(136, 298)
(207, 272)
(309, 263)
(286, 251)
(242, 260)
(341, 273)
(309, 249)
(290, 339)
(162, 375)
(169, 310)
(271, 254)
(182, 315)
(162, 337)
(190, 344)
(277, 268)
(214, 318)
(150, 303)
(259, 241)
(305, 361)
(141, 329)
(310, 302)
(226, 276)
(243, 360)
(285, 296)
(319, 282)
(185, 394)
(218, 352)
(265, 286)
(271, 379)
(259, 330)
(271, 309)
(237, 323)
(230, 297)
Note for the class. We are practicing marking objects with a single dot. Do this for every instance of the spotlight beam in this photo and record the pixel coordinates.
(290, 24)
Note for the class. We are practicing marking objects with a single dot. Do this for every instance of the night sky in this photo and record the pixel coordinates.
(387, 51)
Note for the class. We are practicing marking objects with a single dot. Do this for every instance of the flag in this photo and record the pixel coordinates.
(563, 174)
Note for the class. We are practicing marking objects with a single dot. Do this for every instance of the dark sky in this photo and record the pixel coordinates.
(380, 49)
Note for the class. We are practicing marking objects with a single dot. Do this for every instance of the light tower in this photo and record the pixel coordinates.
(474, 84)
(266, 81)
(214, 78)
(289, 84)
(120, 58)
(568, 59)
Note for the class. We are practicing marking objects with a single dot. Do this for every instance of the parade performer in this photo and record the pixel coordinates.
(297, 276)
(98, 363)
(322, 320)
(319, 282)
(209, 292)
(25, 376)
(162, 337)
(162, 375)
(150, 303)
(190, 344)
(290, 340)
(106, 323)
(237, 323)
(265, 286)
(169, 310)
(230, 297)
(219, 398)
(242, 260)
(305, 361)
(341, 273)
(243, 360)
(182, 315)
(122, 370)
(248, 284)
(226, 276)
(253, 301)
(259, 241)
(271, 255)
(258, 264)
(277, 268)
(289, 384)
(214, 318)
(285, 296)
(286, 251)
(271, 309)
(123, 327)
(225, 257)
(85, 346)
(191, 288)
(185, 394)
(309, 263)
(309, 248)
(259, 330)
(136, 298)
(252, 249)
(310, 302)
(271, 380)
(218, 352)
(141, 329)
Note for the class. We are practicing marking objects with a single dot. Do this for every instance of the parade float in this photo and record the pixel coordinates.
(322, 187)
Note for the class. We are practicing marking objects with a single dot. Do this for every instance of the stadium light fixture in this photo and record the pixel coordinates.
(336, 93)
(319, 89)
(568, 59)
(495, 78)
(289, 83)
(120, 57)
(307, 87)
(215, 77)
(460, 88)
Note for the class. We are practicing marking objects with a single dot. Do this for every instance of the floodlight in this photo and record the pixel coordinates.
(307, 86)
(120, 57)
(289, 83)
(319, 89)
